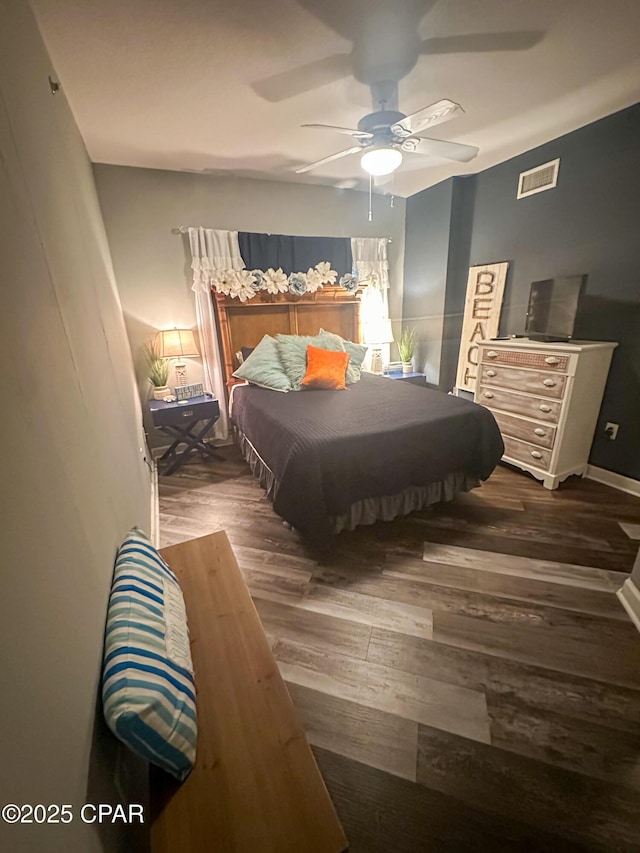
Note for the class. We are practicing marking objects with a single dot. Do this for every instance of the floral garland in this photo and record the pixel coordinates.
(245, 284)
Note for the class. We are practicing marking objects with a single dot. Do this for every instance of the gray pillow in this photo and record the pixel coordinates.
(357, 353)
(264, 368)
(293, 353)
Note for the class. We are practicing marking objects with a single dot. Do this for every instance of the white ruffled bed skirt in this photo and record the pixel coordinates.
(412, 499)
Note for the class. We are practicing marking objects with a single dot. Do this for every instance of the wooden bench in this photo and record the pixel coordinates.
(255, 787)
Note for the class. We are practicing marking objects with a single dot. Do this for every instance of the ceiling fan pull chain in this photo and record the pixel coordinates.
(370, 211)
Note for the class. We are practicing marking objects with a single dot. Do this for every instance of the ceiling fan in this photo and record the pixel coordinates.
(385, 44)
(384, 135)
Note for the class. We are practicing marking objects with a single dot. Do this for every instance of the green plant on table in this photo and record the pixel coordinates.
(157, 367)
(407, 344)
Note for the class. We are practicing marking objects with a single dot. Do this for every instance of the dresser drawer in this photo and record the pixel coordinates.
(534, 381)
(541, 434)
(520, 358)
(530, 407)
(522, 451)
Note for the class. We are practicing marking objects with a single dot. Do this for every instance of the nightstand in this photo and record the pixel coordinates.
(413, 378)
(179, 420)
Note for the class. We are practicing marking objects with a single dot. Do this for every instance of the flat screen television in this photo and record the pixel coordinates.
(553, 308)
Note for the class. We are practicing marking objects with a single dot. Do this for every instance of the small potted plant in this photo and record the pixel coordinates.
(407, 347)
(158, 371)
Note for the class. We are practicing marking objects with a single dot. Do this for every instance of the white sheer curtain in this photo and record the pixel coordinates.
(370, 261)
(212, 250)
(371, 266)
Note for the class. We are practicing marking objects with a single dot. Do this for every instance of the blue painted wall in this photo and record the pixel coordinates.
(427, 235)
(590, 223)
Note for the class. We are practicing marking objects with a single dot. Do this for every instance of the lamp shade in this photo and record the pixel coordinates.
(176, 343)
(381, 161)
(377, 332)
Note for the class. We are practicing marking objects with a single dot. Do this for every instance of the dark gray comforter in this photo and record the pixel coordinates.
(329, 449)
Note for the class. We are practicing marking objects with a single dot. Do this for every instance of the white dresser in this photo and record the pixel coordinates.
(546, 398)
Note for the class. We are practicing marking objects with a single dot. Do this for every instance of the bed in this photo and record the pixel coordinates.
(332, 460)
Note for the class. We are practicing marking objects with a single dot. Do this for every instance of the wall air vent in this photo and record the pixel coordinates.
(539, 179)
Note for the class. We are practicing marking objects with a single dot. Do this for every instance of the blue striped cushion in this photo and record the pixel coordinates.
(148, 691)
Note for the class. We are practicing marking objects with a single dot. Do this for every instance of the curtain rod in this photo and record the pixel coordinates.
(184, 229)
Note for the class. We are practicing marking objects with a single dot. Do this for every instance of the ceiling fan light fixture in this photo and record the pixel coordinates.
(381, 160)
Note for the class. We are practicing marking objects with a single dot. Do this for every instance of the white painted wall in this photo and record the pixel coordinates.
(73, 476)
(152, 265)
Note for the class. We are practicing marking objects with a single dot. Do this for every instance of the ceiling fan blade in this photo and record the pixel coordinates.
(440, 148)
(483, 42)
(343, 18)
(359, 134)
(428, 117)
(328, 159)
(305, 78)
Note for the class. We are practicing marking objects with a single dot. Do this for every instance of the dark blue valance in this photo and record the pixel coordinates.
(294, 254)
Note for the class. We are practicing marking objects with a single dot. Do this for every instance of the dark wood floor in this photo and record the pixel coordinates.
(467, 677)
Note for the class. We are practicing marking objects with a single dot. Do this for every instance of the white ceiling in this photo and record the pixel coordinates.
(168, 84)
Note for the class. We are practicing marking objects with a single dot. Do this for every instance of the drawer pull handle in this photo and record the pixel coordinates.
(188, 414)
(552, 360)
(488, 394)
(544, 408)
(536, 454)
(492, 354)
(549, 383)
(539, 431)
(491, 373)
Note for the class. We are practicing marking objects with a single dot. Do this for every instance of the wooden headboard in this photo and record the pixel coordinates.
(244, 324)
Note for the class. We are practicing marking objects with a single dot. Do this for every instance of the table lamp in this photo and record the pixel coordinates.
(178, 344)
(375, 335)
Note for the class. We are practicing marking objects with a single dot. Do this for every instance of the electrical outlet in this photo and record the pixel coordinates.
(612, 431)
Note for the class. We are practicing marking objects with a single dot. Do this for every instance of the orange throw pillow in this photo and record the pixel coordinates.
(325, 369)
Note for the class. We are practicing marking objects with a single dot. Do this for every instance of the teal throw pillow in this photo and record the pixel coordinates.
(357, 353)
(293, 353)
(264, 368)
